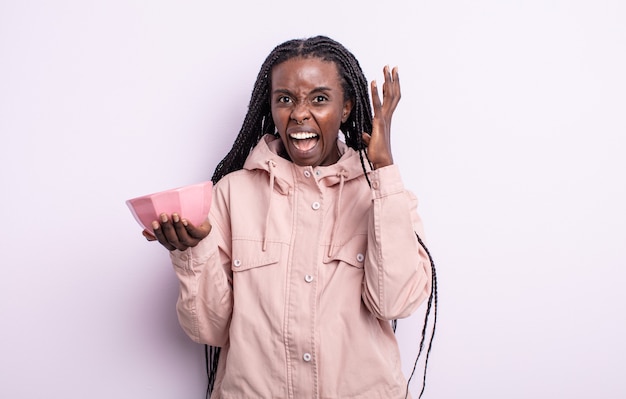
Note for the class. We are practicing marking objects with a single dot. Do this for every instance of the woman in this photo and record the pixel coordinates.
(312, 247)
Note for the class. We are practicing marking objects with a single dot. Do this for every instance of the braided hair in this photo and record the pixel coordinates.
(258, 122)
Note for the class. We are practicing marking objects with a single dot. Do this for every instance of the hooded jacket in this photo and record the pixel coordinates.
(300, 276)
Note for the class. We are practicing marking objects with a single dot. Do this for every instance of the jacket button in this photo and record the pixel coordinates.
(308, 278)
(237, 263)
(307, 357)
(315, 205)
(360, 257)
(318, 173)
(375, 184)
(307, 173)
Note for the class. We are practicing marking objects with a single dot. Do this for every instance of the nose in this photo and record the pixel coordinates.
(300, 113)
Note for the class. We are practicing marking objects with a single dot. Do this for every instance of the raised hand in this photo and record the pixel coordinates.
(177, 233)
(379, 142)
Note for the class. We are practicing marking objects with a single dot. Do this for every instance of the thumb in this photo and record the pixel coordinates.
(148, 235)
(366, 138)
(198, 232)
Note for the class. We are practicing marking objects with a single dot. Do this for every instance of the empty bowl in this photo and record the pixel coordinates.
(190, 202)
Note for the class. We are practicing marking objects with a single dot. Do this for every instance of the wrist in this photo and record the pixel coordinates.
(382, 164)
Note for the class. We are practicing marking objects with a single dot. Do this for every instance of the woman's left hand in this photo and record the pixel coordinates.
(379, 142)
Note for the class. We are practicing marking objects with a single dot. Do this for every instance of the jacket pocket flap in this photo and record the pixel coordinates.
(352, 252)
(248, 254)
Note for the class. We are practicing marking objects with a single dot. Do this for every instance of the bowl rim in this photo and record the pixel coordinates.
(130, 203)
(180, 188)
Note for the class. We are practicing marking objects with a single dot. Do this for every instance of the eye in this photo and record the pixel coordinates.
(319, 99)
(284, 99)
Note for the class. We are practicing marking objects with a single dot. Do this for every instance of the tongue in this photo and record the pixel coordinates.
(305, 145)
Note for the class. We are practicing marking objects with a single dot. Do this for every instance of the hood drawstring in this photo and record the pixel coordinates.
(270, 167)
(342, 178)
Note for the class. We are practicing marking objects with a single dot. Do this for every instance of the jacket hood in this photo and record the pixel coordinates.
(268, 148)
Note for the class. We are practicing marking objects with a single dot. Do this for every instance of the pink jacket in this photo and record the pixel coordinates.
(300, 275)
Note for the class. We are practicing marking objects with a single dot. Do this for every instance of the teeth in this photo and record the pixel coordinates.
(302, 135)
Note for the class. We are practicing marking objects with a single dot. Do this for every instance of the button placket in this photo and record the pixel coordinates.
(307, 273)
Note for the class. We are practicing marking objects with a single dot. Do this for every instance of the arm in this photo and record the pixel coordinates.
(205, 301)
(397, 269)
(201, 259)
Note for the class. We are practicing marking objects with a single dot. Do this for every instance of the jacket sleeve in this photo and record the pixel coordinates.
(397, 269)
(205, 300)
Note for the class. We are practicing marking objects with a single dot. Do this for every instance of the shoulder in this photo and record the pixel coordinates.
(240, 179)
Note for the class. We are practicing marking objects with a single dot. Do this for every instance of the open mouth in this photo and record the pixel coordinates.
(304, 141)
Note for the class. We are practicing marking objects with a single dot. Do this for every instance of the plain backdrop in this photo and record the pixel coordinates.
(511, 131)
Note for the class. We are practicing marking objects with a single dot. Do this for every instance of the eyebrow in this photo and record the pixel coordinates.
(315, 90)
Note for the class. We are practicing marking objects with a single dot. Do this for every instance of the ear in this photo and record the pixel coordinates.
(347, 108)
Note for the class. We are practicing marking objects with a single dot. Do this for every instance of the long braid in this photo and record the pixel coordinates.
(432, 299)
(258, 122)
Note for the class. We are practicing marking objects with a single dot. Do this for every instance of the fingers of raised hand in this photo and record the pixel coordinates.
(376, 102)
(390, 92)
(391, 88)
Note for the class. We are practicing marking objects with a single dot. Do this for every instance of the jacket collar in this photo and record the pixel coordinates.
(268, 148)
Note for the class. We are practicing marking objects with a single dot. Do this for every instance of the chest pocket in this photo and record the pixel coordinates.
(352, 252)
(249, 254)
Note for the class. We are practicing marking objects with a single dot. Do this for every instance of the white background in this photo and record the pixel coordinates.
(511, 131)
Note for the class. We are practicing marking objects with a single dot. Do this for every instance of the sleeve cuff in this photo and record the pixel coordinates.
(186, 260)
(386, 181)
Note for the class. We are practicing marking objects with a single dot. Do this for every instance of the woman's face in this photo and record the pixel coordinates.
(308, 107)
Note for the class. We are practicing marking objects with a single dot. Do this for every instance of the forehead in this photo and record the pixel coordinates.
(311, 71)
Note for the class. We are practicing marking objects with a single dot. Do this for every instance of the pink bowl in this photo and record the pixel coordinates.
(190, 202)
